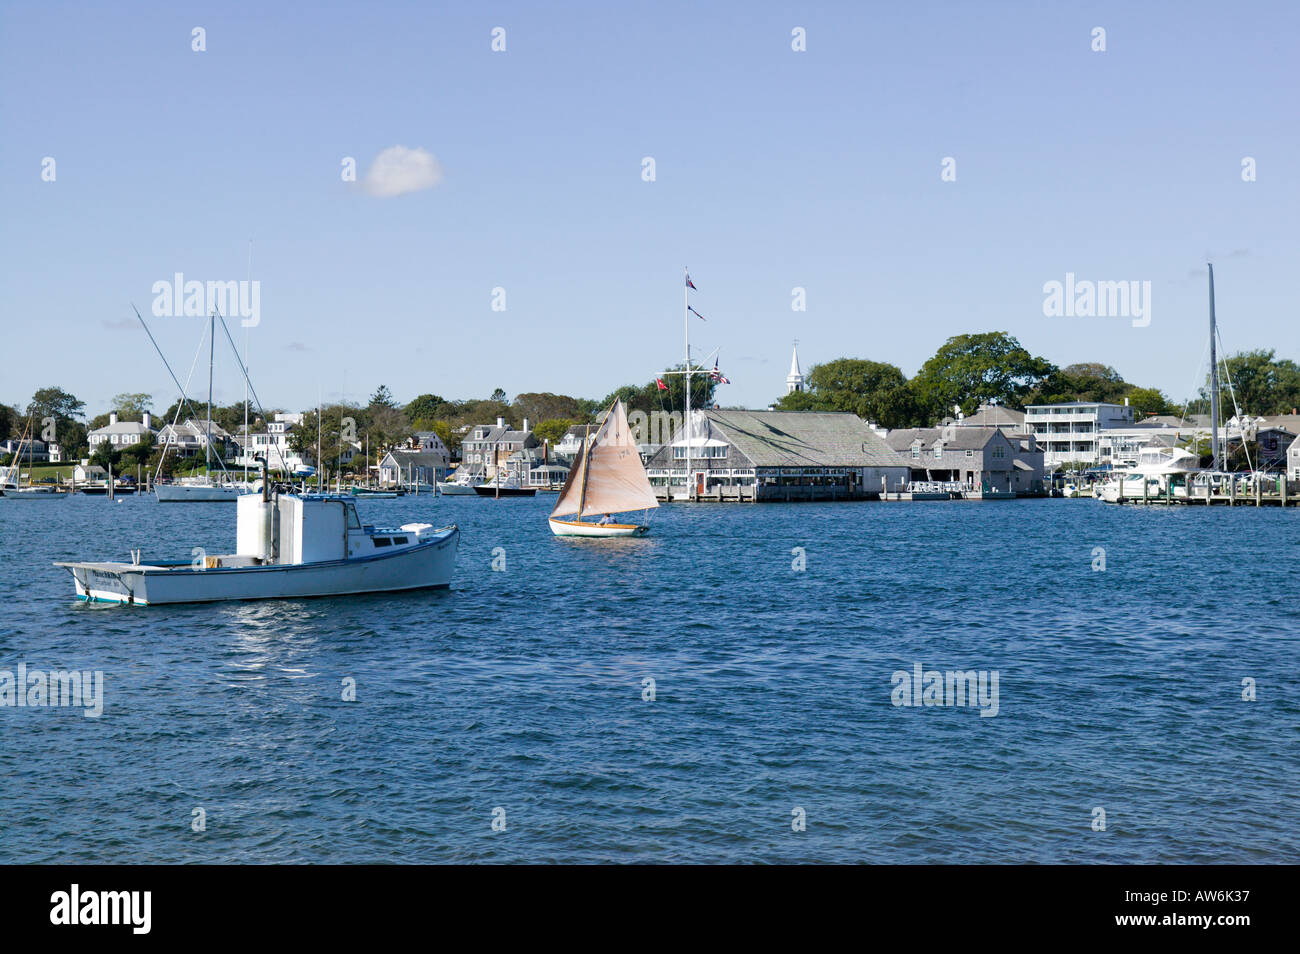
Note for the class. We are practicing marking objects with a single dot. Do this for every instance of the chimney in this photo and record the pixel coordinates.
(525, 427)
(501, 422)
(112, 418)
(148, 420)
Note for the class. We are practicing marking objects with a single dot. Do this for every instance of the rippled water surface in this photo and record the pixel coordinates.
(521, 689)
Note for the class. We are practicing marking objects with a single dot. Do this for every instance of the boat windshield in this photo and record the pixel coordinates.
(352, 521)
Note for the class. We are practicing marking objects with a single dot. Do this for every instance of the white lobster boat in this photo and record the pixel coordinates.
(607, 478)
(287, 546)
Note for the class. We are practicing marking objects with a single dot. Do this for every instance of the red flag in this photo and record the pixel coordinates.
(660, 382)
(689, 283)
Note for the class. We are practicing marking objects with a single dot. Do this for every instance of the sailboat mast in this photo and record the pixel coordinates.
(1214, 380)
(246, 437)
(686, 419)
(212, 347)
(582, 478)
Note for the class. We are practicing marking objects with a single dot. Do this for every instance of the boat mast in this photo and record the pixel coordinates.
(212, 342)
(1214, 380)
(246, 437)
(582, 479)
(686, 420)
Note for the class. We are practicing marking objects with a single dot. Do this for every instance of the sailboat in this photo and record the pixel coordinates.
(9, 486)
(201, 489)
(1168, 471)
(607, 478)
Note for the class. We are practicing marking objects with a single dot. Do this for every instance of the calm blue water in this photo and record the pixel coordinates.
(522, 690)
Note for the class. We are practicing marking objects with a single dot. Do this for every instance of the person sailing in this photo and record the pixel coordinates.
(607, 519)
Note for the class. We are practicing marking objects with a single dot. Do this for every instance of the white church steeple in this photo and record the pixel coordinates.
(794, 380)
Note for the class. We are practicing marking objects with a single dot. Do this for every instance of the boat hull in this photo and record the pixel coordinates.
(577, 528)
(450, 489)
(12, 494)
(426, 566)
(197, 493)
(486, 490)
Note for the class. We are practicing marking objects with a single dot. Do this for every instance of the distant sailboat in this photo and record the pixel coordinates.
(607, 478)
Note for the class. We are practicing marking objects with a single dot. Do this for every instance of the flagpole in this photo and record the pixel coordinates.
(686, 421)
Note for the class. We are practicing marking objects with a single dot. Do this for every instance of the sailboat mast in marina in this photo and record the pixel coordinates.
(607, 478)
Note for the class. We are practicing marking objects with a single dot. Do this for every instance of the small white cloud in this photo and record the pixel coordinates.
(398, 170)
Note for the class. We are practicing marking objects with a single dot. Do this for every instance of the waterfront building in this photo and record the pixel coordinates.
(1293, 459)
(983, 460)
(1069, 433)
(777, 455)
(402, 466)
(488, 446)
(86, 471)
(122, 433)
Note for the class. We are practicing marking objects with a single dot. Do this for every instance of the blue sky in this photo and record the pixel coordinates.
(774, 169)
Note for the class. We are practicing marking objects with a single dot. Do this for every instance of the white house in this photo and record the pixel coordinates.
(1293, 459)
(1070, 433)
(190, 439)
(272, 444)
(122, 433)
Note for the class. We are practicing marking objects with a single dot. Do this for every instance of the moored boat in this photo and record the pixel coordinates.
(461, 484)
(287, 546)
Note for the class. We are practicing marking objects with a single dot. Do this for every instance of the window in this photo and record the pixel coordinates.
(382, 541)
(916, 452)
(970, 453)
(938, 451)
(400, 540)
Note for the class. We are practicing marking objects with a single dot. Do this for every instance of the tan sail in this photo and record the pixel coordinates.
(607, 477)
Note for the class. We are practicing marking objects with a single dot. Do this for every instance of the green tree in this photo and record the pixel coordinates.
(107, 455)
(872, 390)
(1262, 383)
(1147, 401)
(382, 397)
(130, 406)
(545, 406)
(552, 430)
(498, 396)
(974, 369)
(65, 410)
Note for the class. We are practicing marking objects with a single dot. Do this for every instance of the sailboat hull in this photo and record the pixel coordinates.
(197, 493)
(577, 528)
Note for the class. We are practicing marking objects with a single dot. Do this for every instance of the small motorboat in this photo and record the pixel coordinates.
(287, 546)
(462, 484)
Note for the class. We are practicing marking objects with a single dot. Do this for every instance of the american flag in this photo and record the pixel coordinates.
(718, 376)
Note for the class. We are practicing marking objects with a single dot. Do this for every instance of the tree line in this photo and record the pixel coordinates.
(993, 367)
